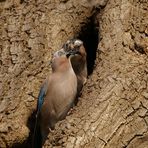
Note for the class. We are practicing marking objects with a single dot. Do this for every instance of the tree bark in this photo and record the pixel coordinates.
(113, 109)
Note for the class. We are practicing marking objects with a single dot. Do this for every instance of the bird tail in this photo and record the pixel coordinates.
(37, 137)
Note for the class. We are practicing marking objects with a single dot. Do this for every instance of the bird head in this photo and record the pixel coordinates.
(74, 46)
(61, 59)
(59, 53)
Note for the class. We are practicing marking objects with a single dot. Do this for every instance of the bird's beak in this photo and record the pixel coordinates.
(72, 52)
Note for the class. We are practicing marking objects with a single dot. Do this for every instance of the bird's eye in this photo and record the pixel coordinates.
(77, 46)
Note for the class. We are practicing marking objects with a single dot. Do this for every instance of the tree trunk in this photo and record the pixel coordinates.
(112, 111)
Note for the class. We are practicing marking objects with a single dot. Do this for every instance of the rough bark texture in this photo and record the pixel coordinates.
(113, 109)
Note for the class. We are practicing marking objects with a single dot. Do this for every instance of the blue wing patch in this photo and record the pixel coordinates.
(41, 96)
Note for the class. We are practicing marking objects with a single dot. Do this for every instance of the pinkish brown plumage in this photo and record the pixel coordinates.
(79, 62)
(59, 93)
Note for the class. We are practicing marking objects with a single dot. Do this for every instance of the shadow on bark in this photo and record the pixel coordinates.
(28, 142)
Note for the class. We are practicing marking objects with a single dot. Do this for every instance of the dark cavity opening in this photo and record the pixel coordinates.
(89, 34)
